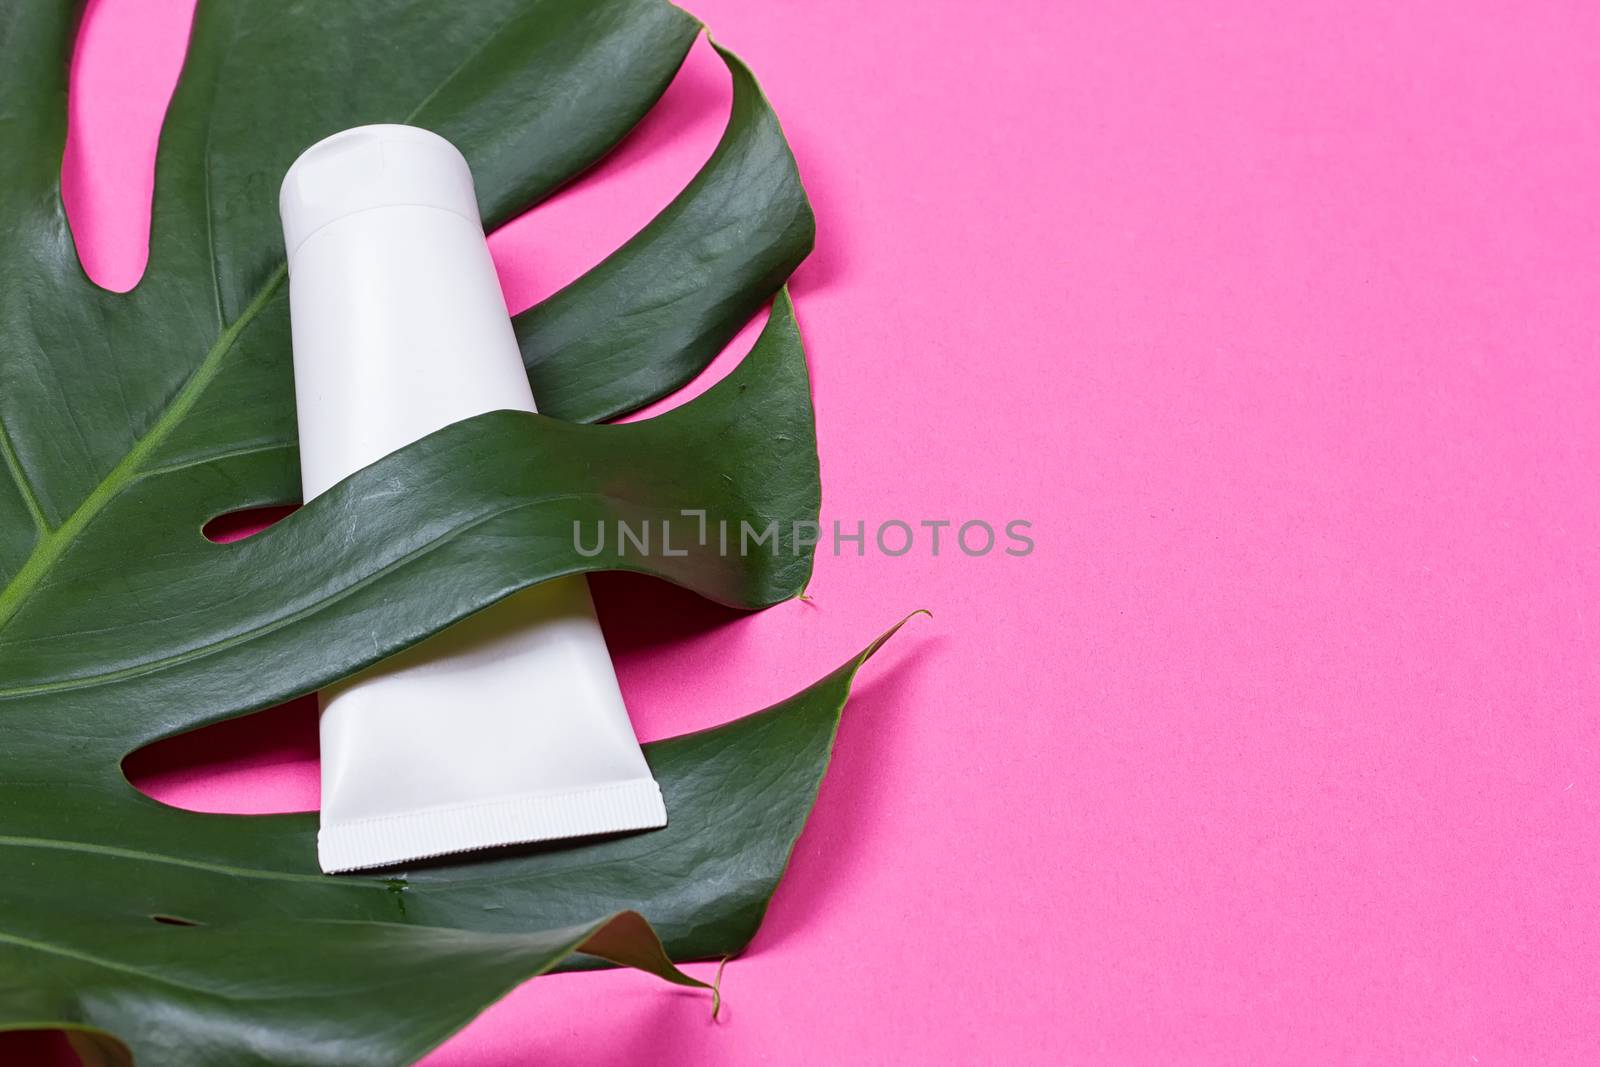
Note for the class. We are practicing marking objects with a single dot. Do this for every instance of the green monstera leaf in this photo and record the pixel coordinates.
(127, 421)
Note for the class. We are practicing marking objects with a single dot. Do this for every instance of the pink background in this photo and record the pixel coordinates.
(1281, 327)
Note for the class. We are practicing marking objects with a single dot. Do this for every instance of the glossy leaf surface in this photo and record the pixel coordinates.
(129, 420)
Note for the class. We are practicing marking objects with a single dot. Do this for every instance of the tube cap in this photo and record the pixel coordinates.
(368, 167)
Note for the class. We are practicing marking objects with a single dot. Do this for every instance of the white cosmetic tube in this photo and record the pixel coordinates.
(507, 727)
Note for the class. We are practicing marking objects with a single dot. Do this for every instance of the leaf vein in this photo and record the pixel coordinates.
(98, 961)
(175, 861)
(149, 666)
(51, 547)
(14, 465)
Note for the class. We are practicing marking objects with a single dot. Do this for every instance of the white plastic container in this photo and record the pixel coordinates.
(507, 727)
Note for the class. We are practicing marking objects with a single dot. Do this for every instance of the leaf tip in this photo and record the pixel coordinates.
(883, 638)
